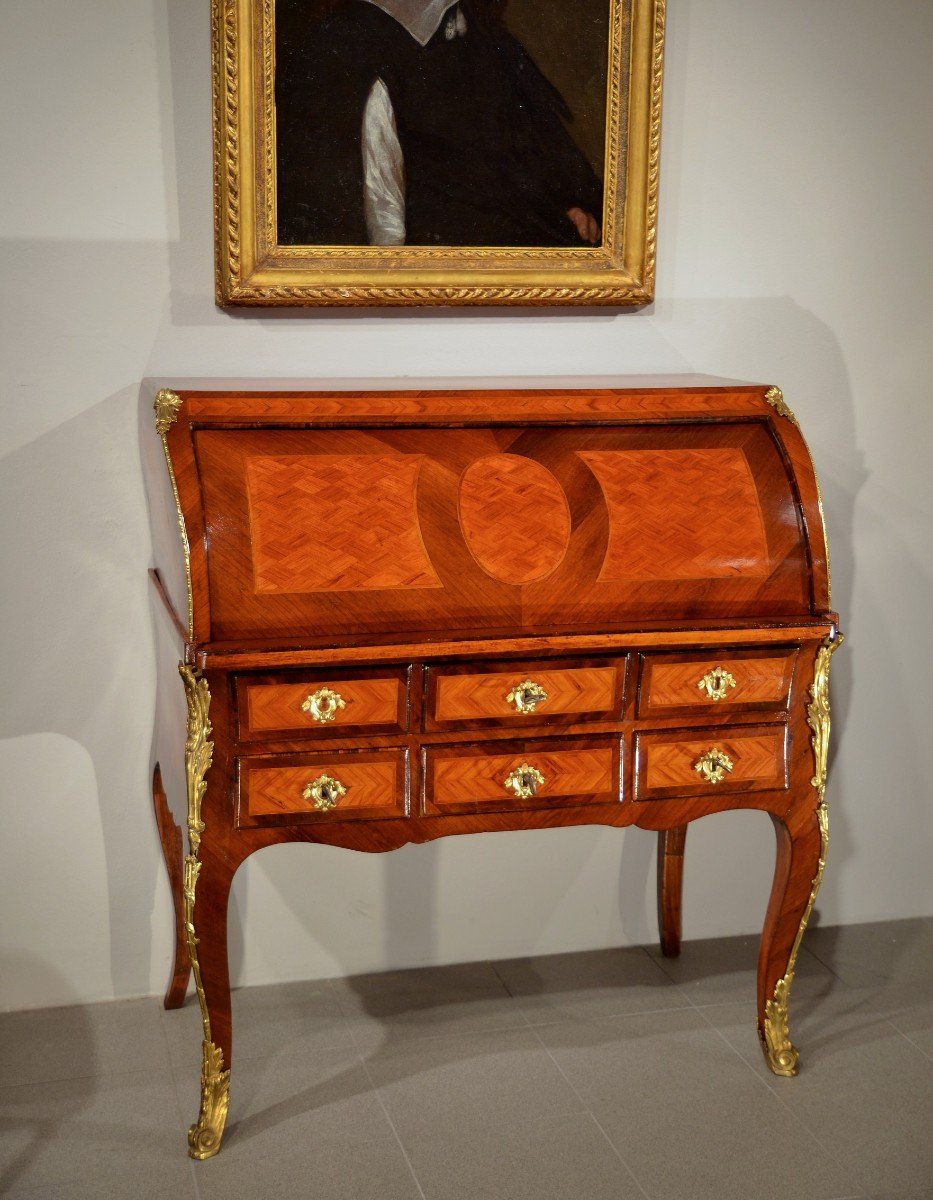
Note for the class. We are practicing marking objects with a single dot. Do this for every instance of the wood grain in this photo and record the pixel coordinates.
(382, 555)
(459, 778)
(336, 522)
(680, 514)
(228, 656)
(477, 696)
(670, 882)
(663, 530)
(666, 762)
(374, 786)
(173, 853)
(669, 682)
(278, 706)
(514, 517)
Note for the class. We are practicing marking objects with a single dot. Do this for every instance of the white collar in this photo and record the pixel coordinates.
(421, 18)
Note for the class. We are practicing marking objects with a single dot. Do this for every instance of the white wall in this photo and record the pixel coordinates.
(794, 248)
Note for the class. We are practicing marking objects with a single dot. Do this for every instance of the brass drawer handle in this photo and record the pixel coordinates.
(325, 791)
(716, 683)
(322, 706)
(524, 781)
(714, 765)
(526, 696)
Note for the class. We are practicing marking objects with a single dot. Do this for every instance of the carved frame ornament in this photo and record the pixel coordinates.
(253, 269)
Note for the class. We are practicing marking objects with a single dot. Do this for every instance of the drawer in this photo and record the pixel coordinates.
(752, 758)
(322, 705)
(734, 681)
(518, 775)
(342, 786)
(524, 693)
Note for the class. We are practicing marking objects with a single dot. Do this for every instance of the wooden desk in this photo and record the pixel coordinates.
(404, 615)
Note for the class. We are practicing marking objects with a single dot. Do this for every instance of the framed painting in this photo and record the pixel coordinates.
(416, 152)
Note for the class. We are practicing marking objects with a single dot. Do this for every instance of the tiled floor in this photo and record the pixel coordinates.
(610, 1074)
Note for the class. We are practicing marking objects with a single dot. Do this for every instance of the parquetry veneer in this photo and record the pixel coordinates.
(405, 615)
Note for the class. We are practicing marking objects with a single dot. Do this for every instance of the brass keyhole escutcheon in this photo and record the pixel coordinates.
(714, 766)
(325, 792)
(323, 705)
(524, 781)
(526, 696)
(716, 683)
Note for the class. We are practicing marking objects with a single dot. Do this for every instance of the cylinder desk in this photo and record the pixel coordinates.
(402, 615)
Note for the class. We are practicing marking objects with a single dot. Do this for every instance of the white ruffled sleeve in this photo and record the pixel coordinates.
(383, 171)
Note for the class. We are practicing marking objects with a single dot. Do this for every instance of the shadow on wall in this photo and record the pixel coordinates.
(77, 587)
(730, 860)
(78, 661)
(774, 340)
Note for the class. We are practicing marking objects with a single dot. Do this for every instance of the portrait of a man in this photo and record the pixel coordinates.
(440, 123)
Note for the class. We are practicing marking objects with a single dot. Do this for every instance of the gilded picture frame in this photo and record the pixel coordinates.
(255, 267)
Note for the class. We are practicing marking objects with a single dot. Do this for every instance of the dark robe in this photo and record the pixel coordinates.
(488, 157)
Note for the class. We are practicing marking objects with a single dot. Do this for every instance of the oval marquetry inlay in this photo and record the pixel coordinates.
(514, 517)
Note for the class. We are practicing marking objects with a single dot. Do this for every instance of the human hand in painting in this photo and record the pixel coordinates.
(586, 225)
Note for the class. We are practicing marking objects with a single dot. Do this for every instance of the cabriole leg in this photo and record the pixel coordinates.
(797, 878)
(173, 851)
(206, 893)
(670, 887)
(803, 840)
(209, 881)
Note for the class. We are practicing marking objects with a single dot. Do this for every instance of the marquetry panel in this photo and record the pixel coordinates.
(680, 514)
(675, 682)
(331, 535)
(336, 522)
(463, 779)
(374, 783)
(367, 704)
(456, 695)
(514, 517)
(666, 762)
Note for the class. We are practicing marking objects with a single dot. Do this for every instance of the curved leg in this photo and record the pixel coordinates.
(206, 892)
(670, 887)
(173, 852)
(209, 880)
(797, 878)
(803, 839)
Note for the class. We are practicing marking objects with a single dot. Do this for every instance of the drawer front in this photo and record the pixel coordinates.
(524, 694)
(324, 706)
(343, 786)
(708, 763)
(677, 684)
(508, 776)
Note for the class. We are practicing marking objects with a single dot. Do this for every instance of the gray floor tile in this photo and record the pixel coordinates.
(720, 970)
(863, 1090)
(404, 1006)
(438, 1084)
(307, 1125)
(565, 1158)
(458, 978)
(923, 1194)
(688, 1116)
(591, 984)
(127, 1188)
(821, 1028)
(265, 1020)
(913, 1020)
(46, 1044)
(871, 954)
(119, 1132)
